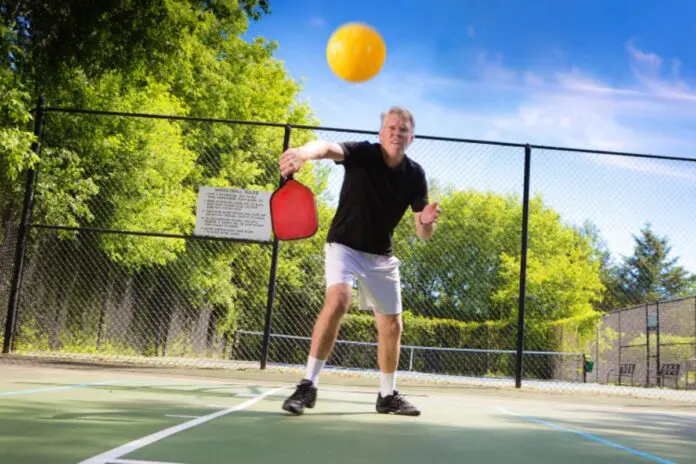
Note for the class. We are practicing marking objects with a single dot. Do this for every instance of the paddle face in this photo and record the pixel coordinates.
(293, 212)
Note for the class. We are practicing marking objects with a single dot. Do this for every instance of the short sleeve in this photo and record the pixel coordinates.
(420, 194)
(355, 153)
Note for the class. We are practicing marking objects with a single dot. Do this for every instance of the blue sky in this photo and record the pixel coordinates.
(609, 74)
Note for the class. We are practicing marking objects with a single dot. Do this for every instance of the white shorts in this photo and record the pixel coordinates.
(379, 281)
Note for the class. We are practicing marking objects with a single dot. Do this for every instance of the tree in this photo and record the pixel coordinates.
(650, 274)
(563, 272)
(608, 270)
(470, 269)
(175, 57)
(45, 37)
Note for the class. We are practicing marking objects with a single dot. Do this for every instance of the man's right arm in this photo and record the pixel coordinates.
(294, 158)
(321, 149)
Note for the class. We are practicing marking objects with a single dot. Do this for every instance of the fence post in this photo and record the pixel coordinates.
(647, 347)
(620, 346)
(22, 238)
(584, 368)
(597, 349)
(657, 339)
(523, 267)
(272, 280)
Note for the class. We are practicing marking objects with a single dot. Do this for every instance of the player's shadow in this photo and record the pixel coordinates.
(307, 414)
(330, 413)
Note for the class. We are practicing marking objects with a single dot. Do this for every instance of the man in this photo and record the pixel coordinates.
(380, 183)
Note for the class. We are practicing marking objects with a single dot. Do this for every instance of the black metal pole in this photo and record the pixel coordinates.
(620, 345)
(22, 237)
(597, 350)
(584, 368)
(272, 280)
(523, 268)
(647, 346)
(657, 337)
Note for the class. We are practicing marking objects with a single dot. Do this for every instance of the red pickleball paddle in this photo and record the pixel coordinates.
(293, 211)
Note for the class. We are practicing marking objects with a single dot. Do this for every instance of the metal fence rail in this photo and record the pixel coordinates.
(431, 360)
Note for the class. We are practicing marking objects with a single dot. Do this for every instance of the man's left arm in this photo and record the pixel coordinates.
(426, 221)
(425, 215)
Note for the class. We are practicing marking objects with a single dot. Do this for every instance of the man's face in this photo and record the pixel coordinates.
(395, 135)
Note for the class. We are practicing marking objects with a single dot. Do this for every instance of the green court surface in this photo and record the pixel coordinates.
(52, 414)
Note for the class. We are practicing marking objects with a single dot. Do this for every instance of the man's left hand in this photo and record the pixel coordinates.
(430, 213)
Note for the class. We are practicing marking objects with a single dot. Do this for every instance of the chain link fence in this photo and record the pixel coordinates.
(640, 345)
(8, 245)
(114, 270)
(643, 329)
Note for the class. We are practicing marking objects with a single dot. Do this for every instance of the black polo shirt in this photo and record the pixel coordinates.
(374, 198)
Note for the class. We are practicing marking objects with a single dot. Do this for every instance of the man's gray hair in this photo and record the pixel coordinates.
(403, 112)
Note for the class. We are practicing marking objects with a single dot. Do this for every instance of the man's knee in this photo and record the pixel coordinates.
(390, 326)
(338, 299)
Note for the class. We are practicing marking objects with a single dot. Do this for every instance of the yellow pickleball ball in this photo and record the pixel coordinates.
(356, 52)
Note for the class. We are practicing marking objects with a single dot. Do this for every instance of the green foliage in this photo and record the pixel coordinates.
(169, 57)
(457, 284)
(648, 275)
(16, 138)
(480, 280)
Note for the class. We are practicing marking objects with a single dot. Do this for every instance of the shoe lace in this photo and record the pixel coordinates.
(400, 400)
(301, 391)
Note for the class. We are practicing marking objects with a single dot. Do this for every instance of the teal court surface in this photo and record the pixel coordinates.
(55, 413)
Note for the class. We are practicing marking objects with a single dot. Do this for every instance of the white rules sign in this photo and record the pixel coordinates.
(234, 213)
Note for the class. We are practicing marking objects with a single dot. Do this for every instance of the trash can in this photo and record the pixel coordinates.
(589, 365)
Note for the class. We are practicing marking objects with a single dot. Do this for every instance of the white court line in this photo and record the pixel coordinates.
(50, 389)
(677, 415)
(111, 455)
(588, 436)
(130, 461)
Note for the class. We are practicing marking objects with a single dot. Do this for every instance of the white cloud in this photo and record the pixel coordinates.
(647, 68)
(655, 113)
(532, 79)
(568, 108)
(649, 63)
(576, 109)
(652, 167)
(492, 70)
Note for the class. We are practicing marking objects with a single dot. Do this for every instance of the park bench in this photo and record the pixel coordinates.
(669, 370)
(625, 370)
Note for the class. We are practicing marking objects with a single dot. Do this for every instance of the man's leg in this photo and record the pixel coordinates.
(381, 291)
(389, 400)
(326, 328)
(389, 329)
(323, 339)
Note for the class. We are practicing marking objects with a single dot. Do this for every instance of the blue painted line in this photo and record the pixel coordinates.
(589, 436)
(50, 389)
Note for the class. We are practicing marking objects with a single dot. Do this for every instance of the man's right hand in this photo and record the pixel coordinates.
(291, 161)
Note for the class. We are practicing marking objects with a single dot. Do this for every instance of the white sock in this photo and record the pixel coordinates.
(387, 383)
(314, 367)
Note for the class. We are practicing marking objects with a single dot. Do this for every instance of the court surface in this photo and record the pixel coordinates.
(58, 414)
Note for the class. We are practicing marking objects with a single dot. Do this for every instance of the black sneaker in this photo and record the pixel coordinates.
(305, 395)
(396, 404)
